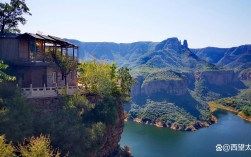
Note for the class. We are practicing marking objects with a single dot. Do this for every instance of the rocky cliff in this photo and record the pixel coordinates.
(169, 82)
(219, 77)
(172, 87)
(112, 137)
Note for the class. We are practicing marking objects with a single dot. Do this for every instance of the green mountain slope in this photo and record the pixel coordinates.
(168, 72)
(235, 58)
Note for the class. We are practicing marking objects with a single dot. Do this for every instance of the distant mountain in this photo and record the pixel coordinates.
(168, 54)
(122, 53)
(233, 58)
(172, 76)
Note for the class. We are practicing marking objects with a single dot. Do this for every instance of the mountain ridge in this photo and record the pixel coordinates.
(168, 72)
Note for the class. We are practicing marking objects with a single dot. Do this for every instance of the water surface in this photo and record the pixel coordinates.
(150, 141)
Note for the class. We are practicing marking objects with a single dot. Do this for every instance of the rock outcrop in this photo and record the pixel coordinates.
(136, 88)
(172, 87)
(219, 77)
(113, 134)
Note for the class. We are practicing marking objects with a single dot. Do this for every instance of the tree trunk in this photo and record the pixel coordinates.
(65, 81)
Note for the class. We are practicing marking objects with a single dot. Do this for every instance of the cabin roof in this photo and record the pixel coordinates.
(62, 41)
(8, 35)
(30, 35)
(48, 38)
(45, 37)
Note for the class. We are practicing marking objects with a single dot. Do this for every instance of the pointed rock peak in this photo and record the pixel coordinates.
(185, 44)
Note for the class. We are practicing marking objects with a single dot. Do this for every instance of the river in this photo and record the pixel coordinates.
(150, 141)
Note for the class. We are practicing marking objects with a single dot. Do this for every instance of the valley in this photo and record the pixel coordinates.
(173, 82)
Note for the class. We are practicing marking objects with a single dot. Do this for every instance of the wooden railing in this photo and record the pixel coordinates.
(40, 92)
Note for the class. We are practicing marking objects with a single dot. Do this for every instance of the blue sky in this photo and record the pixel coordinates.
(221, 23)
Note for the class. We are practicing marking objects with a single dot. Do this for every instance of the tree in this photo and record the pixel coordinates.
(38, 147)
(11, 15)
(65, 63)
(97, 77)
(3, 75)
(246, 110)
(6, 150)
(126, 82)
(34, 147)
(15, 114)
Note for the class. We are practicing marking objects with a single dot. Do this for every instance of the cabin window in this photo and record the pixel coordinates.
(35, 48)
(54, 77)
(32, 48)
(72, 75)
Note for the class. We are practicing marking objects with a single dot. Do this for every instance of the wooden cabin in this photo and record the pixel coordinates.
(30, 60)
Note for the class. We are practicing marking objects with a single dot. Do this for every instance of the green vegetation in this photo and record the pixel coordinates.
(6, 150)
(165, 112)
(79, 126)
(98, 78)
(34, 147)
(246, 110)
(11, 15)
(209, 92)
(242, 102)
(125, 82)
(103, 79)
(15, 114)
(3, 75)
(163, 75)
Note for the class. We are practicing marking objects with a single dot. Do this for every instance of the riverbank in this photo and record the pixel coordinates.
(214, 106)
(150, 141)
(192, 127)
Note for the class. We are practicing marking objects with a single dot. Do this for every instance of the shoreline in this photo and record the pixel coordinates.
(195, 126)
(192, 127)
(213, 107)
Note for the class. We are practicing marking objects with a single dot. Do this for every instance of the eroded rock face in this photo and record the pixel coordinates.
(172, 87)
(113, 134)
(136, 88)
(222, 77)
